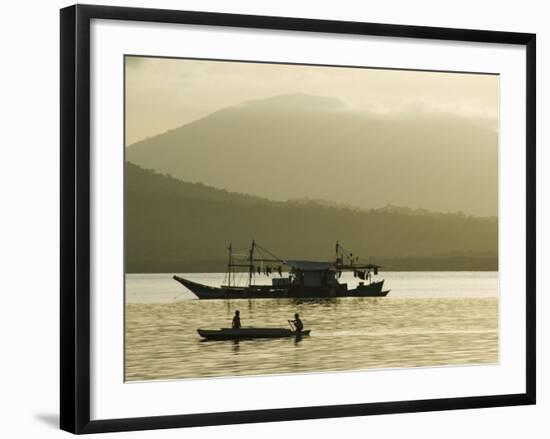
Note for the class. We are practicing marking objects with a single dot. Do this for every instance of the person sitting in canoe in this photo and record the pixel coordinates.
(298, 324)
(236, 324)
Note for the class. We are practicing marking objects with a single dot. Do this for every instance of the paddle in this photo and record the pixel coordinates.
(291, 325)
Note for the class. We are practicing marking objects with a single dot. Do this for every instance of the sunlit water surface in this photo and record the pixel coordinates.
(428, 319)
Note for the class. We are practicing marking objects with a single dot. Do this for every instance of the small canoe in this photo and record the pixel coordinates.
(247, 333)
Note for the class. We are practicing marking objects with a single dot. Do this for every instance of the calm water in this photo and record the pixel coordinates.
(428, 319)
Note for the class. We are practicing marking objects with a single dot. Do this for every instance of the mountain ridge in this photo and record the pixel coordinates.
(280, 151)
(172, 225)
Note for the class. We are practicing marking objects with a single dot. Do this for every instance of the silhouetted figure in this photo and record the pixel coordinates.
(298, 324)
(236, 324)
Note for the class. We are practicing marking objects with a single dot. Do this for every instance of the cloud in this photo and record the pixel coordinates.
(165, 93)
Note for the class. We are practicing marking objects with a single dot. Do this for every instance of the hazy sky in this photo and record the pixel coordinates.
(162, 94)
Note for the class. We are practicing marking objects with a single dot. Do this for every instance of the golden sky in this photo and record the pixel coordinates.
(163, 94)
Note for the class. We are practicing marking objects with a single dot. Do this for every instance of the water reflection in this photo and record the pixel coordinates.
(236, 346)
(347, 333)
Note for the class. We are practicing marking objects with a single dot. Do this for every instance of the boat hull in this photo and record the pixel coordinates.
(249, 333)
(373, 289)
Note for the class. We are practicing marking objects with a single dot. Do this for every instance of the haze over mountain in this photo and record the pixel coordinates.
(176, 226)
(301, 146)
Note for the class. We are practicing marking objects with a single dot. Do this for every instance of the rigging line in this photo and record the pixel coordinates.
(269, 253)
(343, 248)
(346, 252)
(237, 279)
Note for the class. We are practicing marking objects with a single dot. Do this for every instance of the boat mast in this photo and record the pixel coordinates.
(229, 264)
(251, 263)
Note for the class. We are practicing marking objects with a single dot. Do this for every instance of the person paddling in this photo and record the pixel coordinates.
(298, 324)
(236, 324)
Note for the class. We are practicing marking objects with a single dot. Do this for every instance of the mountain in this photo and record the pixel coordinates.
(300, 146)
(388, 208)
(176, 226)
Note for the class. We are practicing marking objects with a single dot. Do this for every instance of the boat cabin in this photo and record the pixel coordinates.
(308, 274)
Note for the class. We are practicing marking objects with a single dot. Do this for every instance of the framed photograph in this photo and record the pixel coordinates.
(274, 218)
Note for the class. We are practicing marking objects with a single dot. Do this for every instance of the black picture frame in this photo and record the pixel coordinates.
(75, 217)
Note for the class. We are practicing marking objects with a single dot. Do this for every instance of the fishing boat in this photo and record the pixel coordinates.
(290, 278)
(249, 333)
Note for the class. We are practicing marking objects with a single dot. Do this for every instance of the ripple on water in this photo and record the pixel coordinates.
(347, 334)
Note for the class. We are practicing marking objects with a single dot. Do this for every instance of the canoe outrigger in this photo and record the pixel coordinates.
(306, 279)
(249, 333)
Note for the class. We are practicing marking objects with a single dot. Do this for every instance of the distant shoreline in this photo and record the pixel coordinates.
(388, 271)
(420, 265)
